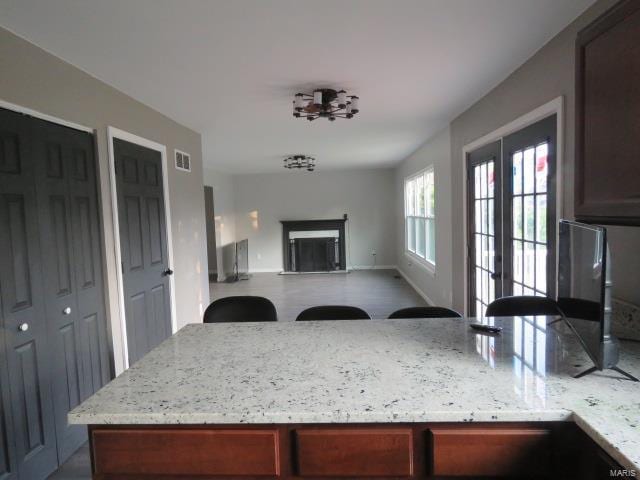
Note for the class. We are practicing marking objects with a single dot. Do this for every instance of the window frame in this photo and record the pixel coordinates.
(429, 265)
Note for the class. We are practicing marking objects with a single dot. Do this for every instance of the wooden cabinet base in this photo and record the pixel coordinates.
(490, 452)
(163, 451)
(392, 451)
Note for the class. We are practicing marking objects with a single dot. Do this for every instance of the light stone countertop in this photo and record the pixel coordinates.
(435, 370)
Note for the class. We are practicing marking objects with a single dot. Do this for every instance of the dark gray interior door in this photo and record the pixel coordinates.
(23, 306)
(73, 288)
(8, 469)
(143, 245)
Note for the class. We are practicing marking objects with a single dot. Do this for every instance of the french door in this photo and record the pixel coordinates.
(512, 216)
(485, 226)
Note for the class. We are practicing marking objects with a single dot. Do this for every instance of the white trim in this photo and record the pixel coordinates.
(428, 168)
(555, 106)
(427, 264)
(112, 133)
(372, 267)
(423, 263)
(415, 287)
(44, 116)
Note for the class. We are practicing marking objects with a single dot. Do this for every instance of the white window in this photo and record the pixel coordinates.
(419, 215)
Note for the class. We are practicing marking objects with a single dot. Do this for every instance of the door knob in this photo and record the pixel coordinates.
(496, 275)
(67, 311)
(168, 272)
(23, 327)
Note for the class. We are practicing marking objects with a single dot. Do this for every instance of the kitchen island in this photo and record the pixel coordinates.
(387, 398)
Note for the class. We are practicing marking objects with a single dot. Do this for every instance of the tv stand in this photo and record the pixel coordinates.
(616, 369)
(555, 321)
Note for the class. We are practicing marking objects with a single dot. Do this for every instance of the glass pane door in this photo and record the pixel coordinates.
(484, 260)
(512, 224)
(529, 225)
(530, 218)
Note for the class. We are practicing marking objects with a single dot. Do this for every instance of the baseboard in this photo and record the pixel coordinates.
(330, 272)
(373, 267)
(352, 268)
(415, 287)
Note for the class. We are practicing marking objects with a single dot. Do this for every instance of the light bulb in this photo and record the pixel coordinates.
(317, 97)
(354, 104)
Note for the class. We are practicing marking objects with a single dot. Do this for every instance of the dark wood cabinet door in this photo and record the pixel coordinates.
(607, 175)
(354, 452)
(24, 328)
(491, 452)
(70, 243)
(211, 453)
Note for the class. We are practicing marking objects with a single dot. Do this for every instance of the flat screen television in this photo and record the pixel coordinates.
(584, 291)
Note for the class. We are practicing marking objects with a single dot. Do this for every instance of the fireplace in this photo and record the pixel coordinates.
(314, 245)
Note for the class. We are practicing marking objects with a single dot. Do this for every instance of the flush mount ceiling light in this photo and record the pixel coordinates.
(300, 161)
(325, 103)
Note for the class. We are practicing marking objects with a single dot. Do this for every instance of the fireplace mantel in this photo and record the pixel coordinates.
(289, 226)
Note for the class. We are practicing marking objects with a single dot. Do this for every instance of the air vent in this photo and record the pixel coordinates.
(183, 161)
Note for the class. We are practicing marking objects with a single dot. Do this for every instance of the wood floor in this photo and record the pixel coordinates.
(77, 467)
(378, 292)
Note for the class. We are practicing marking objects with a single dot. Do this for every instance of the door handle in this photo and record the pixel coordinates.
(167, 272)
(496, 275)
(23, 327)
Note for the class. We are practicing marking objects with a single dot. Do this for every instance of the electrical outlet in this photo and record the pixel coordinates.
(259, 256)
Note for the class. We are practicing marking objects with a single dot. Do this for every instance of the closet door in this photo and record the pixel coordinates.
(68, 222)
(8, 469)
(23, 308)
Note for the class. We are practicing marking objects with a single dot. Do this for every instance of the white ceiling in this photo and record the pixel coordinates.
(229, 69)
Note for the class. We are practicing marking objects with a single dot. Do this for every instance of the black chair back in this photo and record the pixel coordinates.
(240, 309)
(520, 306)
(333, 312)
(425, 312)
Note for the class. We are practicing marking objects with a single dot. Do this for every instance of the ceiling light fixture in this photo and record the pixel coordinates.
(325, 103)
(300, 161)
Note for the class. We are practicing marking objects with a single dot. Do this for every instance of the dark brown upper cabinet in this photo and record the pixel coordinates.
(607, 175)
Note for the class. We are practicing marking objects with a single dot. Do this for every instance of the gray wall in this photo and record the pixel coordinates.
(435, 286)
(37, 80)
(367, 196)
(545, 76)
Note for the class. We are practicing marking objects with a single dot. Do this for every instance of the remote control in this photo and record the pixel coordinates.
(485, 328)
